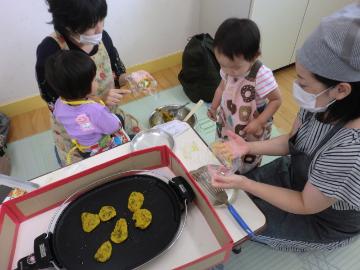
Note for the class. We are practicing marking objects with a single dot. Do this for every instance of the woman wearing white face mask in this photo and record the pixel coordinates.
(79, 25)
(311, 195)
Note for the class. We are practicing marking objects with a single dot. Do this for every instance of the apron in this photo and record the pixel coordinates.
(325, 227)
(238, 108)
(105, 79)
(105, 143)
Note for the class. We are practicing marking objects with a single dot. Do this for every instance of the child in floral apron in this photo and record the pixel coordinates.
(86, 119)
(248, 95)
(79, 26)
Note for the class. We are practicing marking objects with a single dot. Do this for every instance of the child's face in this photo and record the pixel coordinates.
(238, 67)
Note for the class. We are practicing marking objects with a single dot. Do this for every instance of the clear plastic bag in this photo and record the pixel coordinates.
(142, 82)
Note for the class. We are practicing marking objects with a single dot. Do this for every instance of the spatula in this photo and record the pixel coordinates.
(175, 111)
(193, 110)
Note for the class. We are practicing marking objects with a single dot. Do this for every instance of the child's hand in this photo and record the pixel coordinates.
(254, 127)
(211, 113)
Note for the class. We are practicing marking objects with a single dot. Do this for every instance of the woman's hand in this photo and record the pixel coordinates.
(114, 96)
(235, 147)
(254, 127)
(232, 181)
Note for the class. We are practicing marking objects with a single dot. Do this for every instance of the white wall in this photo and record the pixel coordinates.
(214, 12)
(141, 30)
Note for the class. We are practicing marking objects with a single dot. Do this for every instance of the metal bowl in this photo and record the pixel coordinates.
(150, 138)
(157, 119)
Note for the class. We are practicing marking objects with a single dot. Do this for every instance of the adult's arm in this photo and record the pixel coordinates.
(277, 146)
(309, 201)
(45, 49)
(117, 65)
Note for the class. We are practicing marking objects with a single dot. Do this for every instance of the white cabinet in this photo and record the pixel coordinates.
(285, 24)
(279, 22)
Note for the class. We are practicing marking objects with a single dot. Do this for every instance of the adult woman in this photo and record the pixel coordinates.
(79, 26)
(311, 198)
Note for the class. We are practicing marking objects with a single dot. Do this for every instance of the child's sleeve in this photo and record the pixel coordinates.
(265, 82)
(223, 75)
(105, 121)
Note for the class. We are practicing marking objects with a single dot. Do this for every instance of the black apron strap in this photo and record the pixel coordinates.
(254, 70)
(327, 137)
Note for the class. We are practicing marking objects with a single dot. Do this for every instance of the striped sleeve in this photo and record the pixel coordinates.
(336, 172)
(265, 82)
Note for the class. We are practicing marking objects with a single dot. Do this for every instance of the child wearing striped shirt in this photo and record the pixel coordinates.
(248, 95)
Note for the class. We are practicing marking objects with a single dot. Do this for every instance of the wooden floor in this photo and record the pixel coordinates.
(37, 121)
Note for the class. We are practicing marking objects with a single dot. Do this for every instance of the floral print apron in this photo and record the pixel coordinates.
(105, 79)
(237, 109)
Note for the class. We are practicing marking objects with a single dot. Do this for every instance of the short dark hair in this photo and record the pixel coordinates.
(346, 109)
(236, 37)
(76, 15)
(70, 73)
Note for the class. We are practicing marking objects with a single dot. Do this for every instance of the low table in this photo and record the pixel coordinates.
(193, 153)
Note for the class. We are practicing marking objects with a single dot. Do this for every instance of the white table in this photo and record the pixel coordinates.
(193, 153)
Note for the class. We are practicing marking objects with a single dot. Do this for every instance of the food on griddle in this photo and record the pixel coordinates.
(120, 232)
(136, 200)
(143, 218)
(106, 213)
(165, 115)
(89, 221)
(104, 252)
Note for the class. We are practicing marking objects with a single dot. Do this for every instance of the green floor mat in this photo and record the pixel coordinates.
(32, 156)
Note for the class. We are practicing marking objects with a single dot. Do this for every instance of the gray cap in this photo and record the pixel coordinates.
(333, 49)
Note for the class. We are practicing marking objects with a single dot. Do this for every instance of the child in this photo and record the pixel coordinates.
(90, 124)
(248, 95)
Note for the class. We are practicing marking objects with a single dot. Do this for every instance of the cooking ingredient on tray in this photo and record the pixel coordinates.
(136, 200)
(104, 252)
(165, 115)
(89, 221)
(106, 213)
(120, 232)
(143, 218)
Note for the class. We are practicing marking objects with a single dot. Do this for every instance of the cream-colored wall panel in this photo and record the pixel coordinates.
(316, 10)
(214, 12)
(279, 22)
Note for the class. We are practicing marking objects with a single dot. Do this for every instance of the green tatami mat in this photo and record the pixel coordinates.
(32, 156)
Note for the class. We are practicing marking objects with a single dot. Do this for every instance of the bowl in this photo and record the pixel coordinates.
(156, 117)
(150, 138)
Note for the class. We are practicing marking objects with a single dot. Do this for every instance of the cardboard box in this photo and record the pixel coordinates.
(204, 242)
